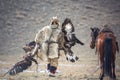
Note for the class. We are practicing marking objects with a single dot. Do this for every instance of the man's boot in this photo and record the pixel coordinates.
(52, 71)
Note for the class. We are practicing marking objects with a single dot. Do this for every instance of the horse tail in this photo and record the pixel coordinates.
(107, 56)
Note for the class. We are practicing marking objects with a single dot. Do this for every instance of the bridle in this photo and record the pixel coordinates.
(94, 35)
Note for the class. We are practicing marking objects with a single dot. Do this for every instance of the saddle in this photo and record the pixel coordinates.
(106, 30)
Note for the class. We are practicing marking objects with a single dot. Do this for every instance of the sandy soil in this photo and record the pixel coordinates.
(21, 19)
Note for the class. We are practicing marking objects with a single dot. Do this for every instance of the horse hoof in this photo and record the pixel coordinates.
(101, 77)
(114, 77)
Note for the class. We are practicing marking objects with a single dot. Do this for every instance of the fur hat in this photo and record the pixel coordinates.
(55, 21)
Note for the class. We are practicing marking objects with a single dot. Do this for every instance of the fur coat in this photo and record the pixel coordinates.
(45, 35)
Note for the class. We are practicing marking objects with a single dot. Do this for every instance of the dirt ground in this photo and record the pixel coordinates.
(84, 69)
(20, 20)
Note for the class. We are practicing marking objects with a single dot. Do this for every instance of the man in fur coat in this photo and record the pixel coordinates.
(48, 38)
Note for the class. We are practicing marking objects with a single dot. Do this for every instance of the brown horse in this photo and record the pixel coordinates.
(106, 47)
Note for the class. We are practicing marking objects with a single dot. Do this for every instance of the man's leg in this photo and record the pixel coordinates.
(48, 65)
(53, 66)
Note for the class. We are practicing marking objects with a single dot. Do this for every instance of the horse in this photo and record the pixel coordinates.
(106, 47)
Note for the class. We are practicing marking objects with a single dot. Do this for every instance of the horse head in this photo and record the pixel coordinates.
(94, 34)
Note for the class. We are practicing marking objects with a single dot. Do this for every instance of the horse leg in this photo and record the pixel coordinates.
(114, 75)
(101, 68)
(117, 47)
(113, 70)
(101, 74)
